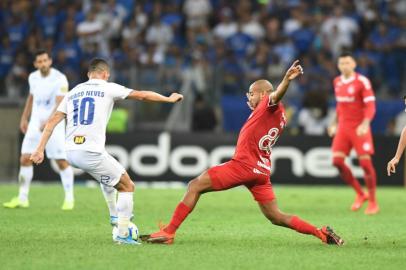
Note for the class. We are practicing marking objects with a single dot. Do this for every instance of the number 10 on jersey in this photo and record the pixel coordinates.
(83, 111)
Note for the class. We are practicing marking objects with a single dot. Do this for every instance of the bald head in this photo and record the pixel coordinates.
(261, 86)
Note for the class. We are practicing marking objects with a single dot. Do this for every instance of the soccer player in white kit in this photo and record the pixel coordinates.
(48, 86)
(87, 109)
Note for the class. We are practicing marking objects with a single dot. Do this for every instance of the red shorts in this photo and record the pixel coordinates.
(234, 173)
(346, 139)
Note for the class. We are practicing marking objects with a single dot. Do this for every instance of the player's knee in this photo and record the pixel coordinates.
(276, 219)
(62, 164)
(366, 165)
(338, 162)
(193, 186)
(25, 160)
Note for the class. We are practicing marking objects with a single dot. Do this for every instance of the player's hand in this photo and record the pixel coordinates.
(294, 71)
(24, 125)
(391, 168)
(175, 97)
(37, 157)
(363, 128)
(331, 130)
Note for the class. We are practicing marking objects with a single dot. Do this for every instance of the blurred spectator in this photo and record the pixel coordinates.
(16, 81)
(159, 34)
(197, 12)
(204, 117)
(6, 61)
(313, 118)
(227, 27)
(339, 31)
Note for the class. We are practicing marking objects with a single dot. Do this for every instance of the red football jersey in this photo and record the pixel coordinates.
(259, 134)
(355, 99)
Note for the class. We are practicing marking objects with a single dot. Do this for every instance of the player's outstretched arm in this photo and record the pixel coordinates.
(26, 114)
(294, 71)
(38, 156)
(391, 168)
(153, 96)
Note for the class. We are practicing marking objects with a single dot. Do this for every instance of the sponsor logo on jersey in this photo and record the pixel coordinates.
(345, 99)
(351, 90)
(64, 89)
(79, 139)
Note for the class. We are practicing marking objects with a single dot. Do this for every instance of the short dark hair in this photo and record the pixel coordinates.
(40, 52)
(404, 97)
(346, 54)
(98, 64)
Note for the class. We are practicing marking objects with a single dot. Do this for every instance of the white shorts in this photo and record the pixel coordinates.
(102, 166)
(55, 148)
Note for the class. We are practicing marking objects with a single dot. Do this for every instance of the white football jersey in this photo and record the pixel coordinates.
(44, 91)
(88, 107)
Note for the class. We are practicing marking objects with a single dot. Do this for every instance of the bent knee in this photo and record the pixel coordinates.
(25, 160)
(338, 162)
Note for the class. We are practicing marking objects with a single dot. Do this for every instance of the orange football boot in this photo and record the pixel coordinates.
(161, 236)
(329, 237)
(372, 208)
(359, 201)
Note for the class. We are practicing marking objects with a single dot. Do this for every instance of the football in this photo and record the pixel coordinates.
(133, 229)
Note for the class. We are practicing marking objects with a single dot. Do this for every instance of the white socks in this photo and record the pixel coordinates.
(67, 182)
(125, 209)
(25, 178)
(110, 195)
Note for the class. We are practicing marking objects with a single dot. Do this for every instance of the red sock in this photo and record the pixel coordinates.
(303, 227)
(181, 212)
(347, 175)
(369, 176)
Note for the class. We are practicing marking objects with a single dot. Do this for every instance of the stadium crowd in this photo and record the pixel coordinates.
(219, 45)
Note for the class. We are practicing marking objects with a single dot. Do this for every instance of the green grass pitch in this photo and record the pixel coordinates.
(226, 231)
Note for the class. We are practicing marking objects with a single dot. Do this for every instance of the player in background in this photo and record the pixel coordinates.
(87, 109)
(48, 86)
(250, 165)
(351, 129)
(391, 168)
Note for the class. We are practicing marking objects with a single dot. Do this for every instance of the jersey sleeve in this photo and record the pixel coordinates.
(368, 98)
(63, 105)
(63, 86)
(30, 83)
(118, 91)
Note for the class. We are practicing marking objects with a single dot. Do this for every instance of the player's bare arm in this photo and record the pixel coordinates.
(153, 96)
(294, 71)
(38, 156)
(26, 114)
(58, 100)
(391, 168)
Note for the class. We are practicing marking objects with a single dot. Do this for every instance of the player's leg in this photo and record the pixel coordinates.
(26, 172)
(55, 149)
(24, 180)
(196, 187)
(110, 196)
(341, 147)
(125, 204)
(365, 162)
(364, 147)
(67, 179)
(272, 212)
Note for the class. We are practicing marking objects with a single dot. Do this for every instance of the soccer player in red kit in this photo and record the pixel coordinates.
(351, 129)
(250, 165)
